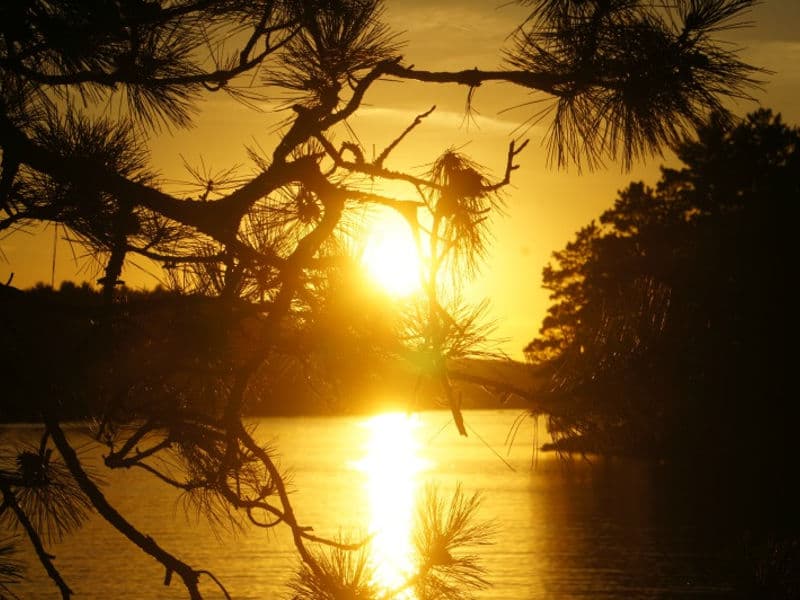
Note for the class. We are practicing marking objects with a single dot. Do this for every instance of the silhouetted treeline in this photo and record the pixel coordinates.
(673, 324)
(71, 351)
(175, 350)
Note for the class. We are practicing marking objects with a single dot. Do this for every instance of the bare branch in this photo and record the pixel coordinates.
(145, 543)
(10, 501)
(386, 151)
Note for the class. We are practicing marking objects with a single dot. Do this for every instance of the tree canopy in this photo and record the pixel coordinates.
(672, 323)
(82, 87)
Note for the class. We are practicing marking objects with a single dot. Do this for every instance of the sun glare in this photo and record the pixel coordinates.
(390, 255)
(392, 465)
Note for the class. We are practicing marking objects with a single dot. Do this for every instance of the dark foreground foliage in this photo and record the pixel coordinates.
(254, 251)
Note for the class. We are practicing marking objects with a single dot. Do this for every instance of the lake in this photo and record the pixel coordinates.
(564, 529)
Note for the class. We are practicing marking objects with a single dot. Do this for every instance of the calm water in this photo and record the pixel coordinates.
(565, 530)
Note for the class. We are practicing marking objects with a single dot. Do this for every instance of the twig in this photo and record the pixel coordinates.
(10, 500)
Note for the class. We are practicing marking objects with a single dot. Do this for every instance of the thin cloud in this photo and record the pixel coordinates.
(444, 119)
(454, 34)
(782, 57)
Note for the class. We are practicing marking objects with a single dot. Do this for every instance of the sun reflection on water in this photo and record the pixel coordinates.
(392, 465)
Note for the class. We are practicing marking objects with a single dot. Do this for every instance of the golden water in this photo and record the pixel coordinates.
(564, 530)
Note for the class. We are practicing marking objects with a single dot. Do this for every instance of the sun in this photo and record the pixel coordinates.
(390, 255)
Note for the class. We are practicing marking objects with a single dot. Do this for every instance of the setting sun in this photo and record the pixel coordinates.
(390, 255)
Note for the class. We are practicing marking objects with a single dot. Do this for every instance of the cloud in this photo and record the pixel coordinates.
(452, 34)
(782, 57)
(445, 119)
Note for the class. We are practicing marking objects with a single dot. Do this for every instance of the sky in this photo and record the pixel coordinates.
(544, 206)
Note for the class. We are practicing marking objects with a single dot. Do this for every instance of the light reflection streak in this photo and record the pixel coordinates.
(392, 465)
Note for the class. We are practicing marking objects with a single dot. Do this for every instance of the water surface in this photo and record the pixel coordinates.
(565, 530)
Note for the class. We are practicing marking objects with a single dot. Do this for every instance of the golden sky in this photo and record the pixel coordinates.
(545, 207)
